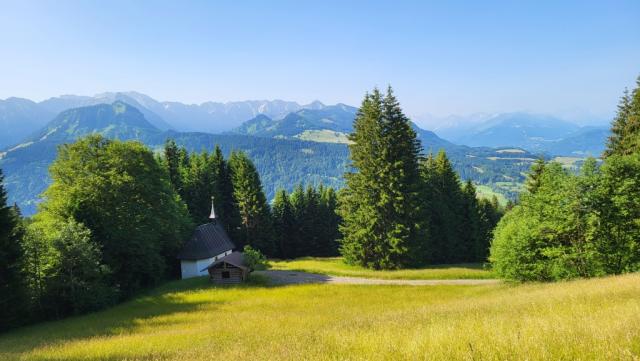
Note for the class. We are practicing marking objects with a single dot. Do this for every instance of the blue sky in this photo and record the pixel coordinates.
(569, 58)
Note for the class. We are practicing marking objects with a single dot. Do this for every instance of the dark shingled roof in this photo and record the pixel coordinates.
(208, 240)
(234, 259)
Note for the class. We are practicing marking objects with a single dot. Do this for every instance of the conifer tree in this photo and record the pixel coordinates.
(283, 224)
(312, 223)
(533, 178)
(256, 228)
(298, 245)
(223, 193)
(470, 227)
(381, 196)
(173, 164)
(443, 208)
(329, 221)
(13, 295)
(625, 128)
(199, 184)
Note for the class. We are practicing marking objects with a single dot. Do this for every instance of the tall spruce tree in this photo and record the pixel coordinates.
(283, 224)
(256, 227)
(443, 209)
(173, 164)
(13, 294)
(298, 245)
(224, 203)
(533, 178)
(381, 197)
(625, 128)
(471, 225)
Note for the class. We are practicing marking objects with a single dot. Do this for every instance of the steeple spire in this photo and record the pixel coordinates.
(212, 216)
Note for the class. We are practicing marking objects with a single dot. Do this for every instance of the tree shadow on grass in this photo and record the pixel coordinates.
(123, 318)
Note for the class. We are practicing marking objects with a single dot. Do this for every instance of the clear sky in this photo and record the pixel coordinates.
(570, 58)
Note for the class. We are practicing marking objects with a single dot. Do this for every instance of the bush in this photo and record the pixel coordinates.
(254, 259)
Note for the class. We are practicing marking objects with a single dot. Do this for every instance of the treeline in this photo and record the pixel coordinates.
(305, 222)
(301, 224)
(583, 225)
(400, 209)
(116, 215)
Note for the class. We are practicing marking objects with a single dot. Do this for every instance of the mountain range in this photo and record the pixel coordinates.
(315, 121)
(22, 117)
(281, 156)
(534, 132)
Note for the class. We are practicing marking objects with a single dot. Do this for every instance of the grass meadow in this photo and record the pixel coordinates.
(596, 319)
(334, 266)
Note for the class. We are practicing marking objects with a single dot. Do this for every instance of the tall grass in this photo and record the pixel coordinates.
(336, 267)
(595, 319)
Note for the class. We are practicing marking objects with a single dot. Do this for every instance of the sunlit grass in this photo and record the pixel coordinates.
(336, 267)
(191, 320)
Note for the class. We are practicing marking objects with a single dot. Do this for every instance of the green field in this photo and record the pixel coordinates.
(336, 267)
(192, 320)
(324, 136)
(486, 192)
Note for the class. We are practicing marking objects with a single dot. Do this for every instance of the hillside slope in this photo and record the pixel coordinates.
(596, 319)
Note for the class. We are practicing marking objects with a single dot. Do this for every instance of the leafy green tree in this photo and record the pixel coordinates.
(255, 216)
(381, 197)
(78, 282)
(547, 236)
(119, 192)
(13, 293)
(617, 221)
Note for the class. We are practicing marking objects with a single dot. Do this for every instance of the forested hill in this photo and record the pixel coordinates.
(281, 162)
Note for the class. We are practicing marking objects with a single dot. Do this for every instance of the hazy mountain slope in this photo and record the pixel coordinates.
(534, 132)
(26, 165)
(142, 102)
(586, 141)
(337, 118)
(281, 162)
(19, 118)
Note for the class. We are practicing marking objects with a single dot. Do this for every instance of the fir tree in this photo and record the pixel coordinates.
(256, 228)
(381, 196)
(625, 128)
(13, 295)
(283, 224)
(298, 245)
(470, 227)
(533, 178)
(223, 192)
(173, 164)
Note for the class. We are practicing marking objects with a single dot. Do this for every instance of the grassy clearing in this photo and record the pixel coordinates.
(191, 320)
(487, 192)
(324, 136)
(336, 267)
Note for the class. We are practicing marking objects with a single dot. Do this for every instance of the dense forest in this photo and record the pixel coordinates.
(116, 215)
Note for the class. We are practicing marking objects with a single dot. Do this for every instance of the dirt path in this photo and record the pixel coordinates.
(295, 277)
